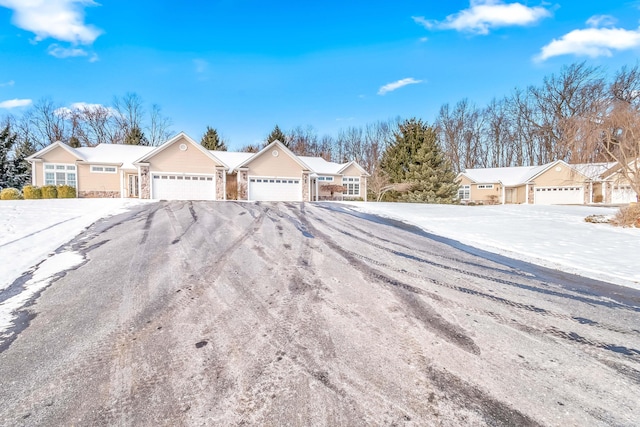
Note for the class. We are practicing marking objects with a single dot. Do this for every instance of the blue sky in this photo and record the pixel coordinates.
(243, 66)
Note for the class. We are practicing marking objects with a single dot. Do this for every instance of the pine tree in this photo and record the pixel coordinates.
(135, 136)
(211, 140)
(22, 168)
(7, 164)
(415, 157)
(276, 133)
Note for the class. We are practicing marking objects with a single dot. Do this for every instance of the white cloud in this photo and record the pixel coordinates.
(390, 87)
(591, 42)
(9, 83)
(15, 103)
(483, 15)
(66, 52)
(57, 19)
(83, 106)
(601, 21)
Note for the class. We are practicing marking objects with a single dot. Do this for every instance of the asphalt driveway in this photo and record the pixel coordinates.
(224, 313)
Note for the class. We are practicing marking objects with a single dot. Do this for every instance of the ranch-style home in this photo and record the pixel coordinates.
(555, 183)
(181, 169)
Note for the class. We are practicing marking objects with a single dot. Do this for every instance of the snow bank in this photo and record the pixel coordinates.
(552, 236)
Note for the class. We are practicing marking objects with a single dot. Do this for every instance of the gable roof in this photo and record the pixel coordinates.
(354, 163)
(518, 175)
(594, 171)
(173, 140)
(321, 166)
(117, 154)
(508, 176)
(73, 151)
(280, 146)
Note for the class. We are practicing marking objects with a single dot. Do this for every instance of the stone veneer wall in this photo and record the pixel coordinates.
(305, 187)
(99, 194)
(220, 184)
(243, 185)
(145, 187)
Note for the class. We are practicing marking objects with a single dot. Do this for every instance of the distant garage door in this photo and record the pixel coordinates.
(183, 187)
(622, 194)
(559, 196)
(275, 189)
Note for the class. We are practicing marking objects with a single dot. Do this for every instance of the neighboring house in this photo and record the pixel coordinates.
(181, 169)
(555, 183)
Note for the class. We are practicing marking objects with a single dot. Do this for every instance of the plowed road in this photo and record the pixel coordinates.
(223, 313)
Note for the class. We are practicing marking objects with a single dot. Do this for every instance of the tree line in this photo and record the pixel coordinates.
(578, 115)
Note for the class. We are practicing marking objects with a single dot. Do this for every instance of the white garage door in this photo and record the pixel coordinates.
(559, 196)
(183, 187)
(622, 194)
(275, 189)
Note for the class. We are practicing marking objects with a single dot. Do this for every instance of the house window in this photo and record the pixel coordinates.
(485, 186)
(103, 169)
(325, 178)
(351, 186)
(60, 174)
(464, 192)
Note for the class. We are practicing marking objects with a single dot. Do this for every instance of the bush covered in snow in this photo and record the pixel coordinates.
(49, 192)
(66, 192)
(628, 216)
(10, 194)
(32, 192)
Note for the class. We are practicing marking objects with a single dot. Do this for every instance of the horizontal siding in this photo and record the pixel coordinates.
(88, 181)
(58, 155)
(565, 176)
(268, 165)
(172, 159)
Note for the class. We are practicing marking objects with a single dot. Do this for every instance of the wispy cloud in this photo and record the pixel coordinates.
(9, 83)
(61, 20)
(592, 42)
(390, 87)
(15, 103)
(66, 52)
(601, 21)
(484, 15)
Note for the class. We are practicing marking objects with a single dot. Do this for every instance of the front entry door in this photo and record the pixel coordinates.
(133, 186)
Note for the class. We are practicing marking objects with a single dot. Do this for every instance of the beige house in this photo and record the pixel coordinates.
(182, 169)
(555, 183)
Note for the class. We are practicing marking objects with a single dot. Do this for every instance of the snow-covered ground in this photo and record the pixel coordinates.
(552, 236)
(33, 229)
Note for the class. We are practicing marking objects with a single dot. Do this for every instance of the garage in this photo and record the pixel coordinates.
(275, 189)
(183, 187)
(622, 194)
(559, 196)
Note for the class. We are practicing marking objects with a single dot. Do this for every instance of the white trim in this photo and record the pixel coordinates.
(176, 174)
(55, 170)
(297, 181)
(96, 169)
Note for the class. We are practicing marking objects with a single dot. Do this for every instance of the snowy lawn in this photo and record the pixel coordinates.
(552, 236)
(32, 229)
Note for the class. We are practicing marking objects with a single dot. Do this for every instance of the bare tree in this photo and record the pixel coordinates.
(128, 112)
(620, 130)
(48, 123)
(158, 126)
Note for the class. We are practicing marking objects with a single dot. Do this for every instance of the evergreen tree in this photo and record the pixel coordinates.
(276, 133)
(7, 164)
(211, 140)
(74, 142)
(135, 136)
(415, 157)
(22, 168)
